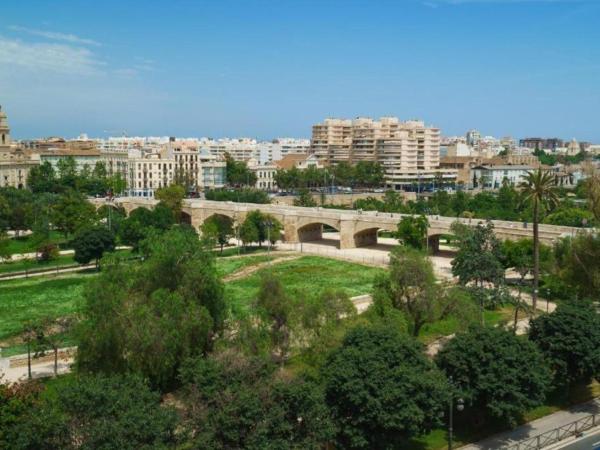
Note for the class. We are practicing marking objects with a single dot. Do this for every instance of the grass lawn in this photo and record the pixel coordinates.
(31, 299)
(25, 245)
(308, 274)
(32, 264)
(432, 331)
(28, 264)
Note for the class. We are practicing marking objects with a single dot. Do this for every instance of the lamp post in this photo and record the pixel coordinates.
(269, 224)
(460, 405)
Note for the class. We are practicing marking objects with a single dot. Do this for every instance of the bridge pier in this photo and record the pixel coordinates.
(365, 238)
(434, 243)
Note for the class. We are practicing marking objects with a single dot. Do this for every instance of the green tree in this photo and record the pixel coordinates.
(246, 404)
(570, 339)
(248, 232)
(96, 412)
(67, 172)
(237, 172)
(148, 318)
(259, 227)
(344, 174)
(497, 373)
(519, 256)
(172, 197)
(90, 243)
(239, 195)
(412, 231)
(305, 199)
(218, 228)
(538, 191)
(5, 253)
(592, 192)
(116, 184)
(578, 264)
(381, 388)
(275, 311)
(368, 174)
(570, 217)
(459, 203)
(42, 178)
(71, 212)
(15, 209)
(479, 256)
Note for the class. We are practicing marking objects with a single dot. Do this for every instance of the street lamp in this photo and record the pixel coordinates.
(460, 405)
(269, 224)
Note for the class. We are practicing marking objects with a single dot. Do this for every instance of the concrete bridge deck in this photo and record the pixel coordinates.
(356, 228)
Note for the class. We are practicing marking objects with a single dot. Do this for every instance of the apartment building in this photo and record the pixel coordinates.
(265, 175)
(537, 143)
(176, 162)
(408, 151)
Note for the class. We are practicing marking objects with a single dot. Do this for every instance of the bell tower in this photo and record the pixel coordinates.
(4, 131)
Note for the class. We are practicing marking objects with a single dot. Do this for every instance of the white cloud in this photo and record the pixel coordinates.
(55, 36)
(61, 58)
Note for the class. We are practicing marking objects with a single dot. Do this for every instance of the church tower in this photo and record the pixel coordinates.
(4, 131)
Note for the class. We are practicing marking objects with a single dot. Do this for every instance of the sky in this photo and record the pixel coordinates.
(273, 68)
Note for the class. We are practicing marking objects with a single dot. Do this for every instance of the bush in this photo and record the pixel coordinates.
(47, 252)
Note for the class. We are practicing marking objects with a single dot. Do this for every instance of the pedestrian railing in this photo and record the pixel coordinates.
(558, 434)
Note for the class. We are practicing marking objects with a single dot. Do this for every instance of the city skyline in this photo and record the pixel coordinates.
(264, 69)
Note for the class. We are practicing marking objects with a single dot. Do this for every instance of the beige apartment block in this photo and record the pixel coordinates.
(408, 151)
(175, 163)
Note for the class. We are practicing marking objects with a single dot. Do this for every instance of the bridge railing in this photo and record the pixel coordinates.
(558, 434)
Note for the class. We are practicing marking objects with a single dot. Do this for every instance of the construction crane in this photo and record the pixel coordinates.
(113, 132)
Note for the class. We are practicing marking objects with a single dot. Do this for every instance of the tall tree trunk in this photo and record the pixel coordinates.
(536, 256)
(29, 359)
(55, 361)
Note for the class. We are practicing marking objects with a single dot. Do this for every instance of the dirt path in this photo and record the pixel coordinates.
(249, 270)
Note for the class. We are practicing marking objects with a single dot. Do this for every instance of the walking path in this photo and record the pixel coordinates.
(249, 270)
(50, 271)
(14, 369)
(537, 427)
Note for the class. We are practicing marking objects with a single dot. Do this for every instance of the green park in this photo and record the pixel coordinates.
(207, 344)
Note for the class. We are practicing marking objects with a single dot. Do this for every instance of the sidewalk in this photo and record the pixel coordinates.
(14, 368)
(536, 427)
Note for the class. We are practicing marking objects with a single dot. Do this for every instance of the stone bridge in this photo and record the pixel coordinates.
(356, 228)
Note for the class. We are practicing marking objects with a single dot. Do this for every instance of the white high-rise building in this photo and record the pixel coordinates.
(408, 151)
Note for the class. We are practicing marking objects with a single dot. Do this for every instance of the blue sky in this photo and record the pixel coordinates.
(273, 68)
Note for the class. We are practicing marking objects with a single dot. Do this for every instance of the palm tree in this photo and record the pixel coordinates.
(539, 190)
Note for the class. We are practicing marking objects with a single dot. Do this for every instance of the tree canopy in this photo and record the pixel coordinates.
(495, 372)
(381, 388)
(570, 339)
(148, 318)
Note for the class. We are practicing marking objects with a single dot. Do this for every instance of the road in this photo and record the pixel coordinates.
(591, 442)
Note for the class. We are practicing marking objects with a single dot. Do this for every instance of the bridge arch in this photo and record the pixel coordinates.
(312, 230)
(185, 218)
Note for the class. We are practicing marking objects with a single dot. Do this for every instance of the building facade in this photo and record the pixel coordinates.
(15, 162)
(408, 151)
(493, 176)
